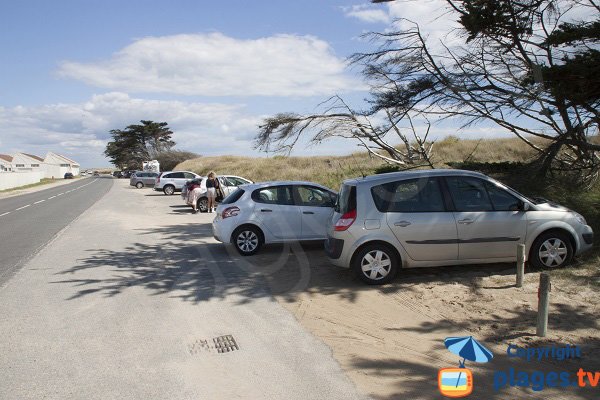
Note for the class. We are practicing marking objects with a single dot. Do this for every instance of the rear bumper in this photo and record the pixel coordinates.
(334, 247)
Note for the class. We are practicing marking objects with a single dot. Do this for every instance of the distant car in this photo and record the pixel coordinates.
(273, 212)
(68, 175)
(126, 174)
(228, 185)
(170, 182)
(96, 173)
(139, 179)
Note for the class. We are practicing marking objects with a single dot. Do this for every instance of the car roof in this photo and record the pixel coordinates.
(169, 172)
(412, 174)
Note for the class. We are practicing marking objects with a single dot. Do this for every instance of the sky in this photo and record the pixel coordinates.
(72, 70)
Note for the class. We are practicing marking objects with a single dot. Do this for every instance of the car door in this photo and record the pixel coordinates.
(226, 186)
(316, 206)
(150, 178)
(489, 222)
(419, 216)
(277, 213)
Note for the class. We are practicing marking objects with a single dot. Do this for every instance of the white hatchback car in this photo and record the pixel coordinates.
(273, 212)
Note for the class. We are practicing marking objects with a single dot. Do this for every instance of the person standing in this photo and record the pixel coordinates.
(212, 185)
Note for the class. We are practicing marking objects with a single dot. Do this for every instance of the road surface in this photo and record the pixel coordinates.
(30, 221)
(134, 300)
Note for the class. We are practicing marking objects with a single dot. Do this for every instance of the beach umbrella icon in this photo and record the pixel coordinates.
(469, 349)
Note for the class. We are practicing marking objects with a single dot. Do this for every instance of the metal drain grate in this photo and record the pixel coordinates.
(225, 344)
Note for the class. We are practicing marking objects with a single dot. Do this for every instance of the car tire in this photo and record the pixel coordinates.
(202, 204)
(247, 240)
(169, 190)
(551, 250)
(139, 185)
(375, 264)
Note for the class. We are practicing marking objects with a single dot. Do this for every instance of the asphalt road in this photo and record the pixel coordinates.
(137, 302)
(28, 222)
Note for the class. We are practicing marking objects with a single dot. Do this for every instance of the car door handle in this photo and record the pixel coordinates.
(265, 210)
(465, 221)
(307, 212)
(402, 223)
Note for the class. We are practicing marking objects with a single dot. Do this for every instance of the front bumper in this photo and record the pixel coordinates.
(586, 240)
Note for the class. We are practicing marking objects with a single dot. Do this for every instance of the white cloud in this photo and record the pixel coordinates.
(217, 65)
(81, 130)
(367, 13)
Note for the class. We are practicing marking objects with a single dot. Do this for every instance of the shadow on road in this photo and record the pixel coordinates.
(180, 262)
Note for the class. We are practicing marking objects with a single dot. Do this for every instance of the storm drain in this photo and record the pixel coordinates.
(225, 344)
(220, 344)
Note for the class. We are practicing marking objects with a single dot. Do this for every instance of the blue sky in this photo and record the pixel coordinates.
(73, 70)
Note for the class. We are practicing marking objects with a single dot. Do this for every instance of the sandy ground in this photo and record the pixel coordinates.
(389, 339)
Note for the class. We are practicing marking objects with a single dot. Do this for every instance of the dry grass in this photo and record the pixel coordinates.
(331, 171)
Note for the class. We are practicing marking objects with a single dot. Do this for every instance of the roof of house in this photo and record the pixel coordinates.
(66, 159)
(6, 157)
(34, 157)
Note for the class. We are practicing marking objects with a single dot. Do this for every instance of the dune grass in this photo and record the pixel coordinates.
(332, 170)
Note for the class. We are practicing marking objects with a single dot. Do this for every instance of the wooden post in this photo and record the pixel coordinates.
(543, 303)
(520, 264)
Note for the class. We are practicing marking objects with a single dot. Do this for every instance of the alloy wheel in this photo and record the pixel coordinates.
(553, 252)
(376, 265)
(247, 241)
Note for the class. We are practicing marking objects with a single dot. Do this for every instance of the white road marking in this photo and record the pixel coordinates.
(2, 215)
(60, 194)
(20, 208)
(51, 197)
(38, 202)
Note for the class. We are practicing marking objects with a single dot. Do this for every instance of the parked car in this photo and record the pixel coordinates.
(428, 218)
(126, 174)
(170, 182)
(229, 183)
(139, 179)
(273, 212)
(96, 173)
(68, 175)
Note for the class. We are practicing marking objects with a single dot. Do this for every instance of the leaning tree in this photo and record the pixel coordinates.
(531, 67)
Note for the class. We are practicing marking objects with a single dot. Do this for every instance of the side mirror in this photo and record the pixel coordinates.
(523, 206)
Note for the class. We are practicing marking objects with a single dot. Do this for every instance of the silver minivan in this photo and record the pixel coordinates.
(428, 218)
(139, 179)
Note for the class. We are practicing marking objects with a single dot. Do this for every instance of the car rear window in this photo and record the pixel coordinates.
(233, 196)
(346, 200)
(413, 195)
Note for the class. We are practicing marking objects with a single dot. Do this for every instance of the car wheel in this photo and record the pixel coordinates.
(202, 204)
(551, 250)
(375, 264)
(139, 185)
(169, 190)
(247, 240)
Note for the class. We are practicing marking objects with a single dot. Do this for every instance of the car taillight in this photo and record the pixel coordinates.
(230, 212)
(158, 178)
(345, 221)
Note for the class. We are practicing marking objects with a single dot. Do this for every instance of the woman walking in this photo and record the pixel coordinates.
(212, 185)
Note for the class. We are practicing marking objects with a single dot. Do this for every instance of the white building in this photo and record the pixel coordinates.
(23, 162)
(5, 163)
(56, 165)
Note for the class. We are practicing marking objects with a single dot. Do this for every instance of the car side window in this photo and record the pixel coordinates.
(189, 175)
(413, 195)
(233, 181)
(314, 197)
(281, 195)
(501, 199)
(469, 194)
(177, 175)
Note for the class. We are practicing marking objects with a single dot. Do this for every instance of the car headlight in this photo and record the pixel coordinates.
(579, 218)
